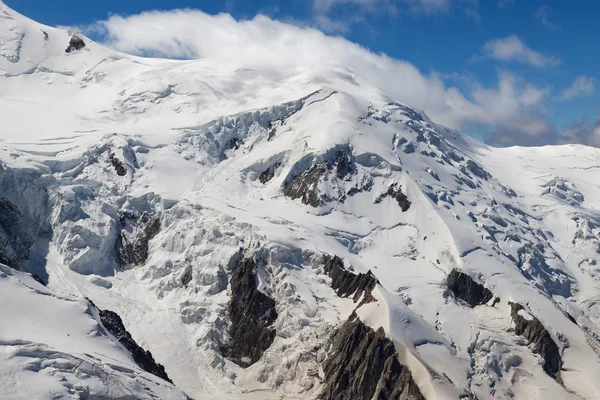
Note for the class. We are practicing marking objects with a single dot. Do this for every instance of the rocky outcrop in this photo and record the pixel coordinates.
(252, 314)
(268, 173)
(348, 284)
(362, 365)
(76, 43)
(15, 235)
(113, 324)
(540, 339)
(136, 232)
(466, 289)
(476, 170)
(395, 191)
(117, 165)
(305, 185)
(336, 168)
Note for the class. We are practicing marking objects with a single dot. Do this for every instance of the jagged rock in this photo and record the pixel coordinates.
(118, 165)
(477, 170)
(15, 235)
(395, 191)
(268, 173)
(466, 289)
(187, 277)
(233, 144)
(337, 168)
(347, 284)
(252, 314)
(344, 165)
(533, 330)
(305, 185)
(362, 365)
(113, 324)
(76, 43)
(133, 241)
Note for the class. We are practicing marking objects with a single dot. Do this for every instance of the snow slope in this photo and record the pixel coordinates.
(286, 168)
(54, 347)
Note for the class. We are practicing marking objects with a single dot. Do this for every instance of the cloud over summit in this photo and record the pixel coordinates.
(514, 106)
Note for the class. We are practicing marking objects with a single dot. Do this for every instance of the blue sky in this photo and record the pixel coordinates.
(548, 46)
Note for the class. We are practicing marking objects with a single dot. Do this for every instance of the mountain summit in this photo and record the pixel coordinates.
(251, 234)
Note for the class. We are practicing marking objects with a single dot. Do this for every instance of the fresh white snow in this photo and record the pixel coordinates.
(525, 221)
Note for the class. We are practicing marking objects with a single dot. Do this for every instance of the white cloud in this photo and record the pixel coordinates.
(542, 15)
(582, 133)
(328, 25)
(512, 48)
(581, 86)
(515, 109)
(293, 50)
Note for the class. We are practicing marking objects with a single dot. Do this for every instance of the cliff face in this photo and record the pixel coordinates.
(540, 339)
(348, 284)
(15, 236)
(133, 241)
(113, 323)
(252, 314)
(362, 365)
(467, 290)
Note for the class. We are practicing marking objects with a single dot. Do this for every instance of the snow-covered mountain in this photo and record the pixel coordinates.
(268, 235)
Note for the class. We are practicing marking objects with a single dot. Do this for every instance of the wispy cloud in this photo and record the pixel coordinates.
(542, 15)
(582, 133)
(512, 48)
(505, 3)
(581, 86)
(328, 25)
(516, 110)
(513, 109)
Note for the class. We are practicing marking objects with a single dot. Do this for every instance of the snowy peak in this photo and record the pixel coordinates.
(256, 229)
(27, 46)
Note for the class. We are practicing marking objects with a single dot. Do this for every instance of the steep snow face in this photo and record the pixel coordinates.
(55, 347)
(144, 184)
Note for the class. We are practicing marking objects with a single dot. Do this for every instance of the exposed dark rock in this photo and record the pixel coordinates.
(339, 165)
(76, 43)
(187, 277)
(348, 284)
(409, 148)
(456, 157)
(232, 144)
(533, 330)
(118, 165)
(362, 365)
(395, 191)
(252, 314)
(344, 165)
(466, 289)
(409, 112)
(136, 233)
(305, 185)
(268, 173)
(477, 170)
(113, 323)
(38, 279)
(15, 235)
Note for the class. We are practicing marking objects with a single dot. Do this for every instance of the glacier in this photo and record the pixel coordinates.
(142, 185)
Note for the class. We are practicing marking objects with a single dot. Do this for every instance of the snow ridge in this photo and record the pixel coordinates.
(144, 185)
